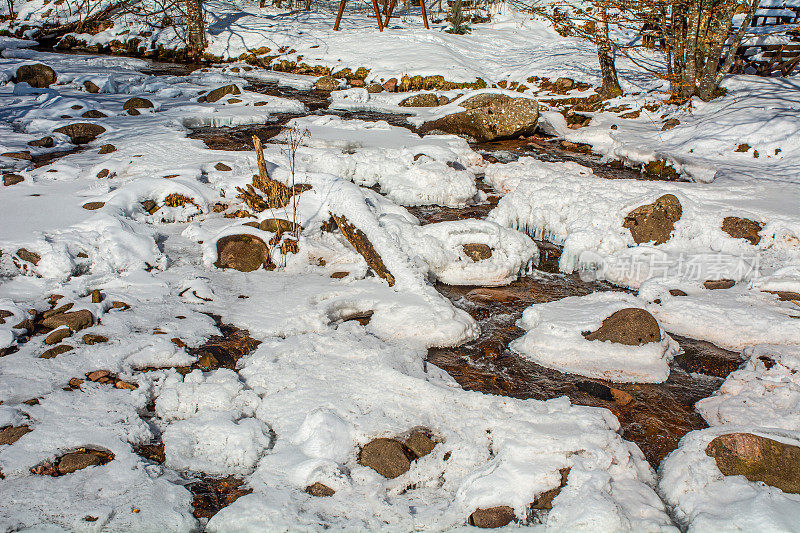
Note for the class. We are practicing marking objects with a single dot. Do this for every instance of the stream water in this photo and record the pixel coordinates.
(654, 416)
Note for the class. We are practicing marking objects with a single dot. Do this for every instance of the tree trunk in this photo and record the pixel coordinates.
(195, 28)
(608, 70)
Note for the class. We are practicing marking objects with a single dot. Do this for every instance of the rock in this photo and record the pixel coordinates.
(27, 255)
(57, 336)
(278, 226)
(92, 206)
(420, 100)
(363, 246)
(219, 92)
(320, 490)
(670, 123)
(631, 326)
(786, 296)
(222, 167)
(477, 252)
(107, 149)
(91, 338)
(654, 222)
(340, 275)
(97, 296)
(74, 320)
(327, 83)
(94, 113)
(742, 228)
(444, 100)
(56, 351)
(759, 459)
(44, 142)
(386, 456)
(373, 88)
(489, 117)
(75, 461)
(58, 310)
(719, 284)
(242, 252)
(562, 85)
(544, 501)
(12, 179)
(11, 434)
(137, 103)
(81, 132)
(420, 442)
(97, 375)
(37, 75)
(492, 517)
(91, 87)
(24, 155)
(677, 292)
(390, 85)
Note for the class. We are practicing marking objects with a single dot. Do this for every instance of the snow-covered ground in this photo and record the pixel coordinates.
(299, 408)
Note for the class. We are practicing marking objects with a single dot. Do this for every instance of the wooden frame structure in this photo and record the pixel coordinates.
(381, 23)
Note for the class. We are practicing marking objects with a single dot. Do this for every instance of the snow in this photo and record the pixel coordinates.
(554, 339)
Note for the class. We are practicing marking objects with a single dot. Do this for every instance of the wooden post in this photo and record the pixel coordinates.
(424, 13)
(378, 15)
(389, 13)
(262, 165)
(339, 15)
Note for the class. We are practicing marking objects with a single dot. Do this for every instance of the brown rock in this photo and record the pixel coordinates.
(58, 310)
(242, 252)
(320, 490)
(631, 326)
(56, 351)
(24, 155)
(97, 296)
(222, 167)
(74, 320)
(94, 113)
(420, 100)
(107, 149)
(75, 461)
(492, 517)
(11, 434)
(97, 375)
(27, 255)
(742, 228)
(390, 85)
(562, 85)
(278, 226)
(759, 459)
(92, 206)
(327, 84)
(477, 252)
(91, 87)
(340, 275)
(91, 338)
(670, 123)
(544, 501)
(120, 305)
(386, 456)
(489, 117)
(786, 296)
(363, 246)
(420, 442)
(44, 142)
(374, 88)
(677, 292)
(75, 383)
(654, 222)
(103, 173)
(12, 179)
(219, 92)
(57, 336)
(719, 284)
(37, 75)
(81, 132)
(137, 103)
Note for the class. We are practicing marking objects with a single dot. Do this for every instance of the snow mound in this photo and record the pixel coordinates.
(554, 339)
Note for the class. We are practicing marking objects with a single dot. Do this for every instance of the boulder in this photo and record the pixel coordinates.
(93, 113)
(74, 320)
(742, 228)
(327, 83)
(420, 443)
(219, 92)
(37, 75)
(320, 490)
(713, 284)
(12, 179)
(489, 117)
(386, 456)
(11, 434)
(631, 326)
(242, 252)
(92, 338)
(374, 88)
(477, 252)
(57, 335)
(56, 351)
(759, 459)
(654, 222)
(27, 255)
(492, 517)
(81, 132)
(75, 461)
(92, 206)
(137, 103)
(222, 167)
(44, 142)
(91, 87)
(107, 149)
(420, 100)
